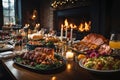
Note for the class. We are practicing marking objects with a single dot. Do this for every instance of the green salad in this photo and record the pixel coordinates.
(102, 63)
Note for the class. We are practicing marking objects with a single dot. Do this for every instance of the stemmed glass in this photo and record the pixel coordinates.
(19, 43)
(115, 43)
(59, 48)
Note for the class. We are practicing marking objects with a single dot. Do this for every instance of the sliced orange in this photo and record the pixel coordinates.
(81, 56)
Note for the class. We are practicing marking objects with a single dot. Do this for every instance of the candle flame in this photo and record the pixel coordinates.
(53, 78)
(62, 26)
(34, 16)
(27, 25)
(71, 25)
(66, 23)
(37, 25)
(69, 66)
(74, 26)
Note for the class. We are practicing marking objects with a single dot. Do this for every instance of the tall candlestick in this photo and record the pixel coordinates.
(61, 32)
(66, 32)
(71, 34)
(66, 26)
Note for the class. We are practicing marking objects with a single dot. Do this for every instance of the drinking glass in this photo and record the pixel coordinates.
(60, 48)
(114, 43)
(19, 43)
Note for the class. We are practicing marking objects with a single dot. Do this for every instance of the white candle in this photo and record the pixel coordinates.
(71, 33)
(69, 55)
(61, 32)
(29, 36)
(66, 26)
(66, 32)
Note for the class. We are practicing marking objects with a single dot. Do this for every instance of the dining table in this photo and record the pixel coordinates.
(71, 71)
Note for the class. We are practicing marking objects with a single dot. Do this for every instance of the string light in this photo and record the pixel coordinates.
(59, 3)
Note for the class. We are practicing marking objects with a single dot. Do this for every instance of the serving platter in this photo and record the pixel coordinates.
(95, 70)
(77, 51)
(82, 47)
(6, 47)
(40, 44)
(41, 68)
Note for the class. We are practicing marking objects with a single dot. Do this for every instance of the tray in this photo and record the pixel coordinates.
(7, 47)
(43, 69)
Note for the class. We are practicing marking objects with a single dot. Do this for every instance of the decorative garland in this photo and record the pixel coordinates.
(68, 3)
(59, 3)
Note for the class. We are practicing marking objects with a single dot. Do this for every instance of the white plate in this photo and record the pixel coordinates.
(6, 47)
(97, 71)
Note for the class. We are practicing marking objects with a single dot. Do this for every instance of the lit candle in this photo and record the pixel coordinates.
(66, 26)
(54, 78)
(66, 32)
(61, 32)
(29, 36)
(69, 55)
(69, 66)
(71, 34)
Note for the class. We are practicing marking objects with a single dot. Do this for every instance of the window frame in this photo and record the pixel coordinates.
(10, 18)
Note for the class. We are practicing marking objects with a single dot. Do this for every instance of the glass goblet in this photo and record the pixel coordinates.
(114, 43)
(19, 43)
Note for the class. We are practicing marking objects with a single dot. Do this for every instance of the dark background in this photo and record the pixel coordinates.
(106, 14)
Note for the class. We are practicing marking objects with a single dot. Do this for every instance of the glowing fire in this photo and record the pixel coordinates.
(86, 26)
(66, 24)
(81, 27)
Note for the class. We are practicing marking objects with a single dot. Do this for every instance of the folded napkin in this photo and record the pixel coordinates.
(7, 54)
(11, 42)
(76, 41)
(6, 47)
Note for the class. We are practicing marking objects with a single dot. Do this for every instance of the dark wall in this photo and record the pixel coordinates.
(44, 10)
(27, 11)
(104, 12)
(115, 16)
(46, 13)
(107, 11)
(1, 15)
(99, 12)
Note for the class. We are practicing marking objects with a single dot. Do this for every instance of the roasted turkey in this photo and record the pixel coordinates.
(94, 38)
(93, 41)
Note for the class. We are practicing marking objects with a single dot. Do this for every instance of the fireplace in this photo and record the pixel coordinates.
(75, 16)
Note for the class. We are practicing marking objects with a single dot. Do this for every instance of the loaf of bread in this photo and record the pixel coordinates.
(35, 36)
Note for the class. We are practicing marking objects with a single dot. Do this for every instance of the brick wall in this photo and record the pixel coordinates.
(46, 15)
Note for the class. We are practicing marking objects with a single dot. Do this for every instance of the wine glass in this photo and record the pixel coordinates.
(19, 43)
(114, 43)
